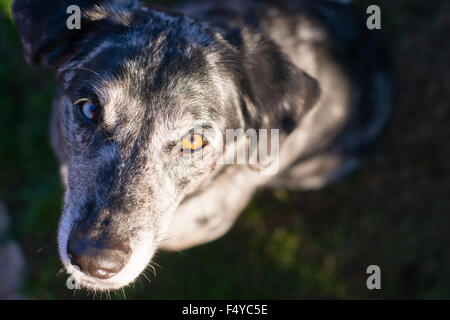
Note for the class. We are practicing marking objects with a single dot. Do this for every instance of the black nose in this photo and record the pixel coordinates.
(101, 258)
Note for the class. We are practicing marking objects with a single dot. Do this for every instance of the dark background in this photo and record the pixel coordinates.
(394, 213)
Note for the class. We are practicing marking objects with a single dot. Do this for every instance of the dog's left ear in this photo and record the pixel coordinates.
(44, 31)
(277, 94)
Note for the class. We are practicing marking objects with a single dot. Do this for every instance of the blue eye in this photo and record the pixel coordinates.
(88, 109)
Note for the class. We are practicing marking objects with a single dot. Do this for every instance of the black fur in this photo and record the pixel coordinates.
(157, 75)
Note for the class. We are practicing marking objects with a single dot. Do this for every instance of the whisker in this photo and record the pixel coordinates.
(60, 271)
(145, 276)
(80, 68)
(153, 263)
(152, 268)
(41, 249)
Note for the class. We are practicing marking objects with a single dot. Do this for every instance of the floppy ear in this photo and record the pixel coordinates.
(277, 93)
(42, 26)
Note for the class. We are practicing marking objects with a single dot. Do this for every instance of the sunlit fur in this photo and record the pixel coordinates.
(308, 68)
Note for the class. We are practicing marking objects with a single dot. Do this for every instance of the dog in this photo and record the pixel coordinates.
(145, 98)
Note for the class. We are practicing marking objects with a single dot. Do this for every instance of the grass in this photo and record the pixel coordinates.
(393, 213)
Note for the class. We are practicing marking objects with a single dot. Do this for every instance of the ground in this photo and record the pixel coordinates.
(394, 213)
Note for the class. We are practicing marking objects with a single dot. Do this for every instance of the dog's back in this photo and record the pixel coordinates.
(331, 42)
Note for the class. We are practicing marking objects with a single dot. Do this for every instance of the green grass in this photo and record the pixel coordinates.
(393, 213)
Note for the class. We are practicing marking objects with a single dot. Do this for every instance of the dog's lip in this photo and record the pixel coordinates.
(87, 283)
(97, 284)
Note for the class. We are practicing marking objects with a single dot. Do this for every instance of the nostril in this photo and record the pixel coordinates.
(100, 259)
(73, 261)
(76, 246)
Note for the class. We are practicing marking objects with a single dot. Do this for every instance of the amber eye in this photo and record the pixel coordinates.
(193, 142)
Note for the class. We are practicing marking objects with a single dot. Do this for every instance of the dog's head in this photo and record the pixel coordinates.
(146, 97)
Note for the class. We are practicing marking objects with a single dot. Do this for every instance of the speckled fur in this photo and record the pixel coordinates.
(308, 68)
